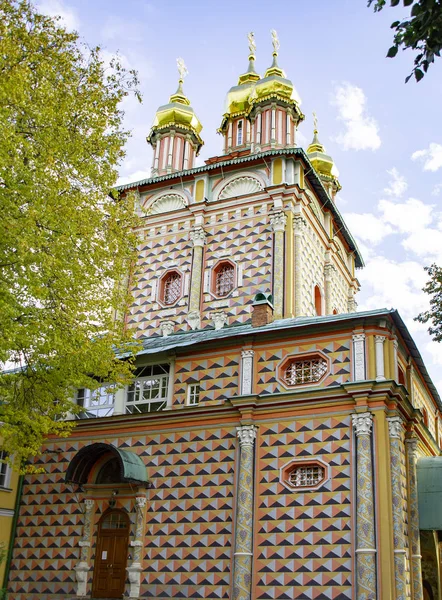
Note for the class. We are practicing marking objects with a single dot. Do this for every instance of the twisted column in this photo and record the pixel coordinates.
(416, 571)
(82, 567)
(299, 225)
(242, 566)
(365, 515)
(198, 237)
(278, 221)
(400, 553)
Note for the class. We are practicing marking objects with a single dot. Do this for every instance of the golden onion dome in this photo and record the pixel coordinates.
(322, 162)
(275, 84)
(177, 114)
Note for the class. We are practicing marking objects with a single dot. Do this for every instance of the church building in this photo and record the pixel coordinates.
(275, 444)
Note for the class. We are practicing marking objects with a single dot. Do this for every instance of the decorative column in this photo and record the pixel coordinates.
(278, 221)
(246, 371)
(365, 515)
(242, 566)
(379, 341)
(395, 373)
(359, 357)
(329, 271)
(299, 225)
(198, 237)
(414, 532)
(82, 568)
(400, 553)
(135, 568)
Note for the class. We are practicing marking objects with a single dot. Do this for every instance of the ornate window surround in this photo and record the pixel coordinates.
(283, 364)
(161, 282)
(286, 470)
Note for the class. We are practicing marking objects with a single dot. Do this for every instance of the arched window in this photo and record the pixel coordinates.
(223, 279)
(110, 472)
(308, 369)
(239, 134)
(318, 301)
(171, 288)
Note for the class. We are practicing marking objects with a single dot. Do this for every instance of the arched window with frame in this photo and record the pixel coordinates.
(223, 279)
(171, 288)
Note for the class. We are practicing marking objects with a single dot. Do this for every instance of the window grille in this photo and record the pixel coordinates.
(4, 470)
(149, 392)
(172, 288)
(224, 280)
(308, 370)
(306, 475)
(193, 394)
(97, 403)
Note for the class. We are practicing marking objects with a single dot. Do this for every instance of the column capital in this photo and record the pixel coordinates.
(198, 236)
(219, 318)
(278, 221)
(247, 353)
(329, 270)
(362, 423)
(358, 337)
(412, 446)
(246, 435)
(395, 427)
(140, 501)
(379, 339)
(299, 224)
(89, 504)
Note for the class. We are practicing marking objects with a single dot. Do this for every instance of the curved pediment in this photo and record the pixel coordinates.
(166, 203)
(240, 186)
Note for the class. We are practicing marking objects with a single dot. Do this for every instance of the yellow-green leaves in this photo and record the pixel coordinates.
(66, 244)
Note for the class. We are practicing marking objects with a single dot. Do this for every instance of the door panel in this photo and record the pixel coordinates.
(110, 563)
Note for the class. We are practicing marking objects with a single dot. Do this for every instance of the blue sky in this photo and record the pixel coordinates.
(385, 136)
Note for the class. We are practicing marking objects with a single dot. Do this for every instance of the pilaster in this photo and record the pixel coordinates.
(242, 566)
(379, 341)
(278, 221)
(359, 357)
(413, 513)
(299, 225)
(198, 238)
(395, 430)
(135, 568)
(82, 567)
(366, 583)
(246, 371)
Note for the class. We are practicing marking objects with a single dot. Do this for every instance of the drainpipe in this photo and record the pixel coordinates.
(13, 530)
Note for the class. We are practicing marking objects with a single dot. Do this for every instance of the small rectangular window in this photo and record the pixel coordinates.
(239, 134)
(193, 394)
(5, 470)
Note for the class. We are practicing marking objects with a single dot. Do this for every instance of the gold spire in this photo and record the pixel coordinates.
(274, 69)
(250, 75)
(179, 96)
(316, 145)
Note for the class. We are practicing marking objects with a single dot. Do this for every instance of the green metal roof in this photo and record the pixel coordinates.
(429, 485)
(310, 174)
(157, 343)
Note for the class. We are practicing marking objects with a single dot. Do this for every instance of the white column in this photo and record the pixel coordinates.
(379, 341)
(170, 153)
(229, 136)
(246, 371)
(359, 356)
(288, 132)
(273, 125)
(119, 398)
(396, 367)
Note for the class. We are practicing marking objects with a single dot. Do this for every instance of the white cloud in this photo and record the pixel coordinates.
(57, 8)
(361, 131)
(408, 216)
(425, 243)
(368, 227)
(432, 157)
(434, 349)
(398, 184)
(437, 189)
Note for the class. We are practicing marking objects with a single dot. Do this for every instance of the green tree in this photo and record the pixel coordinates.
(434, 314)
(421, 31)
(66, 244)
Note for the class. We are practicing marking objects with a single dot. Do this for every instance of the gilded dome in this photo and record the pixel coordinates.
(237, 99)
(322, 162)
(275, 84)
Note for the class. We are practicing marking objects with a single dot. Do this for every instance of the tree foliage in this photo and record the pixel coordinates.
(434, 314)
(421, 31)
(65, 242)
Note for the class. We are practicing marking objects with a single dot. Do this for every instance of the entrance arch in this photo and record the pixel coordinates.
(111, 555)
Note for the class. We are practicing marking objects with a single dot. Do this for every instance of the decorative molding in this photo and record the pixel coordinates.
(219, 318)
(167, 328)
(395, 428)
(140, 501)
(166, 203)
(329, 270)
(246, 435)
(194, 319)
(278, 221)
(241, 186)
(299, 225)
(362, 423)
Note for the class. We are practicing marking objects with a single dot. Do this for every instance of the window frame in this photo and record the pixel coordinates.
(191, 394)
(304, 357)
(240, 132)
(299, 463)
(139, 388)
(162, 287)
(5, 472)
(214, 274)
(90, 411)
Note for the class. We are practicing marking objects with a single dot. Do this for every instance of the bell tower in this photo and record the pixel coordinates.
(175, 134)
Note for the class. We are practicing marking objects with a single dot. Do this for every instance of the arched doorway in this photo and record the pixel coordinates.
(111, 555)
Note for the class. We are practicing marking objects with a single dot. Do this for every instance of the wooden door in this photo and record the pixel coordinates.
(111, 556)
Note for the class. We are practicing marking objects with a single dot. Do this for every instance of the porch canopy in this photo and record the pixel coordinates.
(131, 467)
